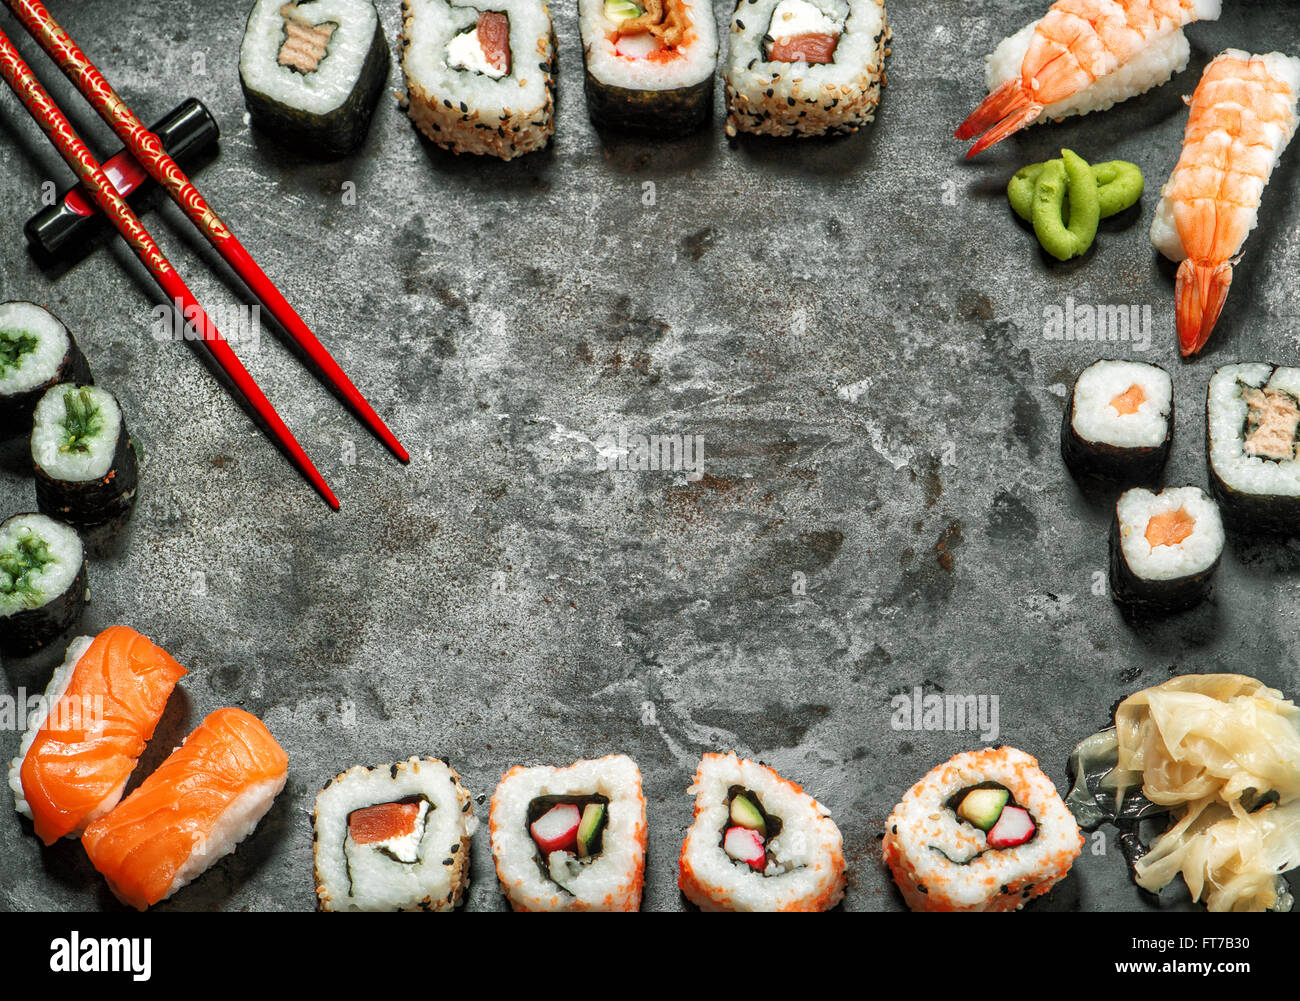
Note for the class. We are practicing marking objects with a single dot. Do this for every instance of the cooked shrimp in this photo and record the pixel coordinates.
(1078, 45)
(1242, 116)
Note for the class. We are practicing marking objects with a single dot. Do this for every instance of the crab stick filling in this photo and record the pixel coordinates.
(800, 32)
(395, 829)
(573, 828)
(1169, 528)
(1272, 423)
(990, 807)
(485, 48)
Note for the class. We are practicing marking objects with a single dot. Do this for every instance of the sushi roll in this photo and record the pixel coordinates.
(480, 80)
(394, 838)
(571, 839)
(649, 68)
(758, 842)
(1253, 428)
(99, 711)
(1120, 422)
(36, 352)
(1164, 548)
(85, 463)
(43, 574)
(312, 71)
(805, 67)
(194, 809)
(985, 831)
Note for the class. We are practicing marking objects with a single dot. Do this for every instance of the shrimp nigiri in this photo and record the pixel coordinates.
(1084, 55)
(192, 811)
(1241, 118)
(100, 709)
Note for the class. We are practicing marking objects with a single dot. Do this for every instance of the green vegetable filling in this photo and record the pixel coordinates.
(22, 564)
(14, 346)
(621, 10)
(83, 421)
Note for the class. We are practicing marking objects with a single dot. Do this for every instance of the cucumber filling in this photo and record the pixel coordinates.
(569, 832)
(15, 346)
(21, 565)
(749, 830)
(82, 423)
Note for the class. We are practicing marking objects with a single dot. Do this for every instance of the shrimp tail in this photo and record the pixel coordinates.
(1199, 295)
(1008, 109)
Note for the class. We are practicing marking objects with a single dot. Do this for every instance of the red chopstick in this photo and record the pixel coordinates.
(19, 76)
(146, 148)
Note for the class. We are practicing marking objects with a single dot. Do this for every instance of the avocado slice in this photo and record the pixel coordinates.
(746, 814)
(982, 807)
(588, 827)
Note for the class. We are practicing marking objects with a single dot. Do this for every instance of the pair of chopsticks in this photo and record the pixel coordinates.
(146, 148)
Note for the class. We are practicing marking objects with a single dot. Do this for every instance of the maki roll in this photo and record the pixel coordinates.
(1253, 427)
(36, 352)
(1164, 548)
(394, 838)
(758, 842)
(86, 471)
(99, 710)
(985, 831)
(480, 79)
(312, 71)
(1119, 424)
(571, 839)
(42, 582)
(649, 68)
(805, 67)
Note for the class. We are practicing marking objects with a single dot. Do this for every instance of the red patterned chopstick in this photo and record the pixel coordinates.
(19, 76)
(146, 148)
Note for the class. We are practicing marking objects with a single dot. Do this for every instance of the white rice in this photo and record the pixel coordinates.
(55, 578)
(1194, 554)
(355, 877)
(1095, 420)
(1249, 474)
(41, 364)
(333, 82)
(612, 880)
(236, 822)
(1156, 64)
(48, 436)
(807, 867)
(1286, 70)
(695, 63)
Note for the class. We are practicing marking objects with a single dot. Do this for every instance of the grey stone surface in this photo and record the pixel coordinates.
(855, 328)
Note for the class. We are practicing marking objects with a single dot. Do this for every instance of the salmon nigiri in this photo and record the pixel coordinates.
(200, 803)
(100, 710)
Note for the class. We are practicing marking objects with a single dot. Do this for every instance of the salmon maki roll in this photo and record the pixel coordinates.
(97, 714)
(202, 801)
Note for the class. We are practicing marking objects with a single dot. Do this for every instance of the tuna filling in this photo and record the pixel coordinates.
(749, 830)
(801, 32)
(1271, 423)
(305, 44)
(15, 345)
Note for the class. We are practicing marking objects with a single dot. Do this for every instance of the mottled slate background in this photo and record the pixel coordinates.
(854, 326)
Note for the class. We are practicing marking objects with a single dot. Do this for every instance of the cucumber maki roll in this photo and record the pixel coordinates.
(1119, 424)
(805, 67)
(480, 79)
(312, 71)
(1253, 437)
(86, 470)
(649, 64)
(42, 582)
(36, 352)
(1164, 548)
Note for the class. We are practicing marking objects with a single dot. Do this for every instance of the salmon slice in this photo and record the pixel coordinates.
(1129, 401)
(79, 761)
(494, 39)
(200, 803)
(383, 822)
(1169, 528)
(804, 49)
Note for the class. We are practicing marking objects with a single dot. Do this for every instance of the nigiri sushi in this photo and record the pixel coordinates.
(99, 711)
(1240, 119)
(201, 802)
(1084, 55)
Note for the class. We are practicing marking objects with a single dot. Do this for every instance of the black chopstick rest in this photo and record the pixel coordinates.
(188, 130)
